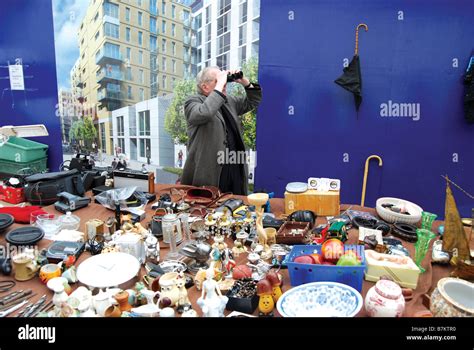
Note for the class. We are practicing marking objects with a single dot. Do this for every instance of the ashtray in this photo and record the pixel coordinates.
(292, 232)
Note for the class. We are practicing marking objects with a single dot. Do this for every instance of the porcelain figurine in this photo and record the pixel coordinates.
(168, 286)
(101, 302)
(183, 300)
(60, 296)
(275, 281)
(265, 302)
(211, 302)
(453, 297)
(438, 255)
(385, 299)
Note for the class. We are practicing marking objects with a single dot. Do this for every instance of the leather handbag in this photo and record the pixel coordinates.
(208, 196)
(43, 189)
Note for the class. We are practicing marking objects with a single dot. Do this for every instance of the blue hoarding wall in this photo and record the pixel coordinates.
(413, 57)
(27, 37)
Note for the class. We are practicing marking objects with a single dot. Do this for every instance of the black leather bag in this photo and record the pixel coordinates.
(303, 216)
(43, 189)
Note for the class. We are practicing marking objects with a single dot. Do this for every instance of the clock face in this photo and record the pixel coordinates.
(108, 270)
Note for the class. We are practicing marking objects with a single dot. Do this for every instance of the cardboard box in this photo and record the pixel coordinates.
(321, 203)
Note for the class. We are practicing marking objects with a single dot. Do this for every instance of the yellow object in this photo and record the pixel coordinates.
(400, 268)
(276, 293)
(320, 202)
(366, 173)
(266, 304)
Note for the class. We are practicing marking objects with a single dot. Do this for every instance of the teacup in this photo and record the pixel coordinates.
(48, 272)
(152, 283)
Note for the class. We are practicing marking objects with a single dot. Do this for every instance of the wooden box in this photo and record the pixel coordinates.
(284, 235)
(321, 203)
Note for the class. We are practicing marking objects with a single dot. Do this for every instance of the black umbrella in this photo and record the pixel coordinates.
(351, 79)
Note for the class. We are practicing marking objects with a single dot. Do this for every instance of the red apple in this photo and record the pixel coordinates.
(304, 259)
(318, 259)
(332, 250)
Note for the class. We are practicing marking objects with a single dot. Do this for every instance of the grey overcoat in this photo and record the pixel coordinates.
(207, 134)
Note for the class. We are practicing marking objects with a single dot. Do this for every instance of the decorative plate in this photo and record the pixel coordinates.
(108, 270)
(320, 299)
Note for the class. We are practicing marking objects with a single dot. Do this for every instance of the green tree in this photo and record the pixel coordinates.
(175, 121)
(83, 132)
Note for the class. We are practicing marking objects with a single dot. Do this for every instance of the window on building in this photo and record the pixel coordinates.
(141, 77)
(242, 54)
(129, 54)
(121, 143)
(242, 34)
(144, 146)
(142, 94)
(223, 43)
(163, 7)
(199, 38)
(223, 24)
(97, 35)
(139, 3)
(224, 6)
(163, 63)
(163, 27)
(144, 123)
(153, 25)
(153, 40)
(173, 63)
(140, 38)
(120, 126)
(163, 45)
(127, 34)
(102, 137)
(208, 32)
(208, 51)
(243, 12)
(173, 29)
(127, 14)
(140, 18)
(129, 73)
(163, 82)
(111, 30)
(208, 14)
(173, 82)
(173, 48)
(153, 8)
(140, 57)
(223, 61)
(112, 50)
(197, 22)
(111, 9)
(154, 78)
(129, 92)
(173, 11)
(96, 17)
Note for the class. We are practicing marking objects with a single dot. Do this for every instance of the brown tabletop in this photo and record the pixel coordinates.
(426, 282)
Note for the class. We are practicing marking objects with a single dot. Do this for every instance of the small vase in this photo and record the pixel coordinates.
(112, 311)
(122, 300)
(422, 245)
(427, 220)
(385, 299)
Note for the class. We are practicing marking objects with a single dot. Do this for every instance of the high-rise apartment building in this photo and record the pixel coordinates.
(130, 51)
(227, 32)
(67, 111)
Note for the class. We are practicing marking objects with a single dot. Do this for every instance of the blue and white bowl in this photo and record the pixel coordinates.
(320, 299)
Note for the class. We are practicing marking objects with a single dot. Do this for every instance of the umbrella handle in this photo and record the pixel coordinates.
(357, 36)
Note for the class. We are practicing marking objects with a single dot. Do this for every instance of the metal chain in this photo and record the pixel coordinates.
(459, 187)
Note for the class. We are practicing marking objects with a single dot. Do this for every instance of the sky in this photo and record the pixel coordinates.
(67, 15)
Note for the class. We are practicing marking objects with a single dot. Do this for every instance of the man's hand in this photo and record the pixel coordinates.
(244, 81)
(221, 78)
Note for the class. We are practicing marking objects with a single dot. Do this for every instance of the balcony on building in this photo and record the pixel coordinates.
(186, 40)
(105, 76)
(105, 57)
(187, 22)
(106, 94)
(256, 10)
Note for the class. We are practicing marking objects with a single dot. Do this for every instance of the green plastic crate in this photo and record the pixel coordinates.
(21, 150)
(23, 168)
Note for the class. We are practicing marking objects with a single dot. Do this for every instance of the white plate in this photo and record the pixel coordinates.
(297, 187)
(108, 270)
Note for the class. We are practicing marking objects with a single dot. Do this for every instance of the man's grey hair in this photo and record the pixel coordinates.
(204, 76)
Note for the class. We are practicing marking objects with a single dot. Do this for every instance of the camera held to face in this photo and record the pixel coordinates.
(236, 76)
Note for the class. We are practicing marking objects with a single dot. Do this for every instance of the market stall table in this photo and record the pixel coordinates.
(426, 283)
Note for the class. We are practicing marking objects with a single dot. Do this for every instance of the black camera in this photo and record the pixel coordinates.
(233, 77)
(5, 266)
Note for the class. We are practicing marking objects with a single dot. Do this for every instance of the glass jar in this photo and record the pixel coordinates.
(70, 222)
(50, 224)
(171, 224)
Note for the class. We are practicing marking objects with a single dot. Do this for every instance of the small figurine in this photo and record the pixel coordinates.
(212, 302)
(275, 281)
(228, 262)
(217, 250)
(183, 301)
(265, 302)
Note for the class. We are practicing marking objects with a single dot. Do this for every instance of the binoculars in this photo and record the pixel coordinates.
(236, 76)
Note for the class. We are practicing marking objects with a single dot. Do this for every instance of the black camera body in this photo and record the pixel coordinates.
(233, 77)
(5, 266)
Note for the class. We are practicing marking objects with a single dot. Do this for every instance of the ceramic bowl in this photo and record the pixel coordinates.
(320, 299)
(393, 217)
(258, 199)
(453, 297)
